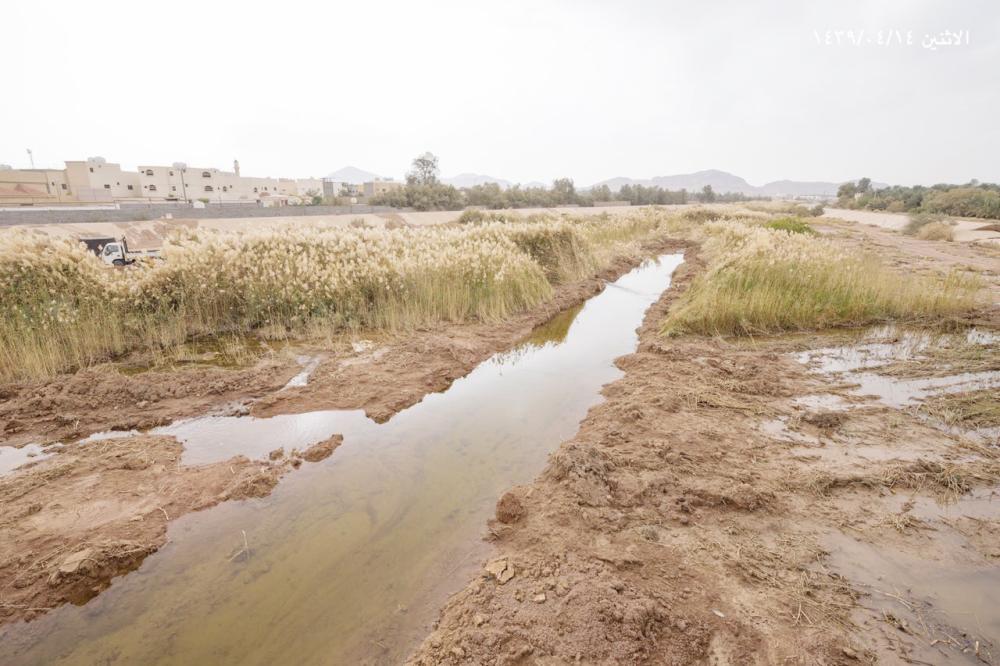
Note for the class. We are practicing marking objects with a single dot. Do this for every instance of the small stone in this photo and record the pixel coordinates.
(142, 404)
(478, 620)
(684, 520)
(509, 508)
(458, 652)
(435, 643)
(277, 454)
(539, 598)
(849, 653)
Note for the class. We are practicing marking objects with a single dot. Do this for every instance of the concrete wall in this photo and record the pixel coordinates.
(137, 212)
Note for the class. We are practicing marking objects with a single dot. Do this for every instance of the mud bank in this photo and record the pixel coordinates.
(729, 503)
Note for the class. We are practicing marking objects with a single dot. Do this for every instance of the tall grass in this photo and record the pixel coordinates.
(62, 309)
(763, 280)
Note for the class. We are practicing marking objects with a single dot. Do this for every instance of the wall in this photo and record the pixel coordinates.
(134, 212)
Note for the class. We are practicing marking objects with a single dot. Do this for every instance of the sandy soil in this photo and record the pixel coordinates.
(966, 229)
(74, 520)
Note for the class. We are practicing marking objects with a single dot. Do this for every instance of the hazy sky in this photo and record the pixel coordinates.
(518, 90)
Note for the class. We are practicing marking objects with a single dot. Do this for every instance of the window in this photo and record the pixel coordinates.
(152, 188)
(91, 169)
(64, 186)
(173, 188)
(255, 190)
(106, 186)
(208, 188)
(206, 174)
(225, 189)
(171, 172)
(149, 172)
(130, 187)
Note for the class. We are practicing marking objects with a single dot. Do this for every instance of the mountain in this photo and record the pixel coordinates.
(471, 179)
(723, 182)
(352, 175)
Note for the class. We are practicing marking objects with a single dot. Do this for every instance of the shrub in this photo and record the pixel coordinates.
(936, 231)
(792, 225)
(920, 220)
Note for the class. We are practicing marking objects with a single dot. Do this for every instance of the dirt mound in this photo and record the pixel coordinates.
(74, 521)
(509, 508)
(322, 450)
(69, 407)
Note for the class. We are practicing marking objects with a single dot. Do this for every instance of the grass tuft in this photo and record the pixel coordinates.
(762, 280)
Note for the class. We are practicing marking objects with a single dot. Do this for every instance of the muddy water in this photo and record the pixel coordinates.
(350, 558)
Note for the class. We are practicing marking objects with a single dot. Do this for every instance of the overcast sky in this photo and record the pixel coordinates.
(518, 90)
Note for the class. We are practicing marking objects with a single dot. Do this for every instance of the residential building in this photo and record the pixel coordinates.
(377, 187)
(33, 186)
(95, 180)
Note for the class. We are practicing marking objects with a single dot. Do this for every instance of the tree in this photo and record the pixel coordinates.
(424, 171)
(847, 191)
(865, 185)
(707, 194)
(564, 191)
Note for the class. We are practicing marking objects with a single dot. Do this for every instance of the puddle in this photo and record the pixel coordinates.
(930, 609)
(13, 457)
(351, 557)
(778, 429)
(309, 365)
(855, 363)
(822, 401)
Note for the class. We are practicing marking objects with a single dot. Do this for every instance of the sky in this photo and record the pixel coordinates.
(526, 91)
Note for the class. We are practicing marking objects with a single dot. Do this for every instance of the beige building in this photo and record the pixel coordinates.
(95, 180)
(377, 187)
(33, 186)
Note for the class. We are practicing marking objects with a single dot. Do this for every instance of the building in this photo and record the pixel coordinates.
(21, 187)
(377, 187)
(95, 180)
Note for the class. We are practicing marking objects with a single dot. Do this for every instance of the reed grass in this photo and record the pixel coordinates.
(762, 280)
(62, 309)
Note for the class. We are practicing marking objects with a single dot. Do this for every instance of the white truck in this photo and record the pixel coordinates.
(115, 251)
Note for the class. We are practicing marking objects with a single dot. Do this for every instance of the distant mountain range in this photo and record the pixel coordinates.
(723, 182)
(353, 175)
(471, 179)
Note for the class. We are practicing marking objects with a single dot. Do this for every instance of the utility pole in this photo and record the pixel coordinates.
(31, 157)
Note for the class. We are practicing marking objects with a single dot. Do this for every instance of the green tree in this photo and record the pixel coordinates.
(424, 171)
(707, 194)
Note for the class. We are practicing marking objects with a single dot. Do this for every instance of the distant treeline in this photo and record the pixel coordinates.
(424, 191)
(438, 196)
(974, 199)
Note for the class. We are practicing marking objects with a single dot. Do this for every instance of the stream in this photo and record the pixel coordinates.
(350, 558)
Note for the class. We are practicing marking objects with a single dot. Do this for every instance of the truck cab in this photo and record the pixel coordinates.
(114, 254)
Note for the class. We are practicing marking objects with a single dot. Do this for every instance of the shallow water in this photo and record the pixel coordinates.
(946, 602)
(13, 457)
(351, 557)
